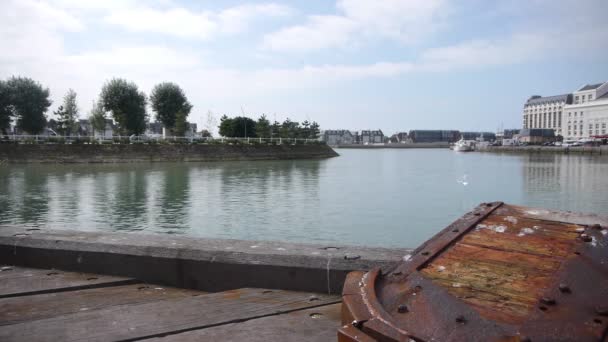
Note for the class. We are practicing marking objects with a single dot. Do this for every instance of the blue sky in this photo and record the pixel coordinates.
(354, 64)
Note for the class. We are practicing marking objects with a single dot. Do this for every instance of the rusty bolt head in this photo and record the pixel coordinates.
(357, 324)
(460, 319)
(564, 288)
(601, 310)
(547, 301)
(402, 308)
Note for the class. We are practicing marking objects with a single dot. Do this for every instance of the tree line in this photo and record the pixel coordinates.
(26, 102)
(243, 127)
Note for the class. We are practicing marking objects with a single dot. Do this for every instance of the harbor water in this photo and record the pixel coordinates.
(390, 198)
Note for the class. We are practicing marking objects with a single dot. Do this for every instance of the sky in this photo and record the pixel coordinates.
(393, 65)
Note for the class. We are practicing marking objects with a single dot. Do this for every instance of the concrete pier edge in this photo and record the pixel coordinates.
(196, 263)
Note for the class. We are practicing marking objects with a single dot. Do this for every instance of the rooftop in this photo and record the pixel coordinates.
(547, 99)
(591, 86)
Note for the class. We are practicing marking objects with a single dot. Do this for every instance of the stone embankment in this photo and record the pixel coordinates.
(129, 153)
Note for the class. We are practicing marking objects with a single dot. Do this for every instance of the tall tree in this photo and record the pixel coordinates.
(168, 101)
(314, 130)
(225, 128)
(6, 110)
(181, 124)
(68, 116)
(97, 118)
(262, 127)
(304, 131)
(127, 105)
(29, 101)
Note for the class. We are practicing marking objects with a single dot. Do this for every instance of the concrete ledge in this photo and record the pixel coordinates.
(202, 264)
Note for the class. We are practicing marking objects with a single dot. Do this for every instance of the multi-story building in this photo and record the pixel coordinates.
(372, 137)
(545, 112)
(428, 136)
(338, 137)
(587, 116)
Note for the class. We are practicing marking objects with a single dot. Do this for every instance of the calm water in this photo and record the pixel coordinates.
(364, 197)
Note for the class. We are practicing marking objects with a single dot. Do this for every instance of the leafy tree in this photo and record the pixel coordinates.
(304, 131)
(67, 114)
(289, 129)
(262, 127)
(170, 104)
(28, 102)
(127, 105)
(314, 130)
(181, 124)
(6, 110)
(275, 129)
(97, 117)
(225, 127)
(237, 127)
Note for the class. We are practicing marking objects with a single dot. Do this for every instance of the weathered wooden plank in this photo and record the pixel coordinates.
(28, 308)
(19, 281)
(317, 324)
(164, 317)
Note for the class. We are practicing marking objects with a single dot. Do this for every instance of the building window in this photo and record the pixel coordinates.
(576, 99)
(590, 126)
(590, 96)
(597, 125)
(569, 114)
(574, 114)
(581, 113)
(604, 125)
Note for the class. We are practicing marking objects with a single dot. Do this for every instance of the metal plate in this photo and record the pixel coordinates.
(500, 272)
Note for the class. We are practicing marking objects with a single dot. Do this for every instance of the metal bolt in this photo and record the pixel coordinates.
(601, 310)
(460, 319)
(402, 309)
(564, 288)
(425, 253)
(547, 301)
(586, 238)
(357, 324)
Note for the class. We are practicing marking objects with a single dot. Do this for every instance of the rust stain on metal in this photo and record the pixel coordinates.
(501, 272)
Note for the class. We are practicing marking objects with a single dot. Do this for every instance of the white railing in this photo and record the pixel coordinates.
(135, 139)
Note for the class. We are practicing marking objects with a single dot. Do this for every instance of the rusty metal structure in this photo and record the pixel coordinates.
(499, 273)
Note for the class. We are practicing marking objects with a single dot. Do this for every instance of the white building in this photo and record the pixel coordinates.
(546, 112)
(587, 116)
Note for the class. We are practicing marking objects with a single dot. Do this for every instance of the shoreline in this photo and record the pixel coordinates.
(134, 153)
(597, 150)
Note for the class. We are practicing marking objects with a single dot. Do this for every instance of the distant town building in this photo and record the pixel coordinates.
(537, 135)
(399, 138)
(427, 136)
(545, 112)
(85, 128)
(372, 137)
(510, 133)
(587, 116)
(487, 136)
(154, 129)
(338, 137)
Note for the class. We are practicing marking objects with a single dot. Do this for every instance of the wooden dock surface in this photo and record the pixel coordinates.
(52, 305)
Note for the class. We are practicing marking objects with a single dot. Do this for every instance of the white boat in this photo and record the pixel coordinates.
(464, 145)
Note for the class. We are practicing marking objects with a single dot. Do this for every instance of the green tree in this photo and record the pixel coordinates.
(262, 127)
(97, 117)
(127, 105)
(6, 110)
(181, 124)
(275, 129)
(168, 102)
(314, 130)
(28, 102)
(68, 115)
(225, 127)
(304, 131)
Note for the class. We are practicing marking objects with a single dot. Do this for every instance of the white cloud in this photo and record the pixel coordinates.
(184, 23)
(406, 21)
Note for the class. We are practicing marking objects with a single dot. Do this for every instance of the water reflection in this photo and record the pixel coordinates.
(382, 198)
(579, 179)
